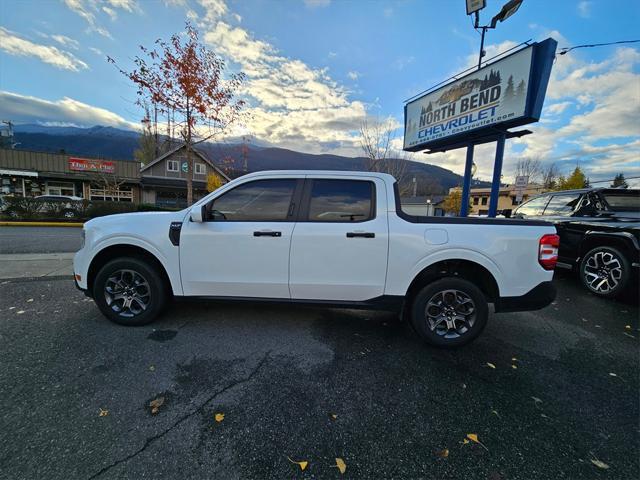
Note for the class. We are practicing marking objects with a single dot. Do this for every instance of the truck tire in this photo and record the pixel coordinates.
(130, 291)
(605, 271)
(449, 312)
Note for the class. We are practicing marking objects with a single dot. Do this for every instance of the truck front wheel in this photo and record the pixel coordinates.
(449, 312)
(129, 291)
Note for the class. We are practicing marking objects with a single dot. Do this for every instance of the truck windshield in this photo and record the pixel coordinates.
(623, 202)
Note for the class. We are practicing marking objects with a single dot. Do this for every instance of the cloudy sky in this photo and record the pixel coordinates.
(317, 68)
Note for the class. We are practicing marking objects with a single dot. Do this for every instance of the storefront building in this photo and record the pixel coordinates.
(164, 180)
(27, 173)
(507, 199)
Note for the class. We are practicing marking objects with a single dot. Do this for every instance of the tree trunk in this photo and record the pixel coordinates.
(189, 175)
(189, 160)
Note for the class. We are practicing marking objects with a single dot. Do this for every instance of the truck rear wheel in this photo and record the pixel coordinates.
(605, 271)
(130, 291)
(449, 312)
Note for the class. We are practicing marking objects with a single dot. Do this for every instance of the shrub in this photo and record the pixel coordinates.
(102, 208)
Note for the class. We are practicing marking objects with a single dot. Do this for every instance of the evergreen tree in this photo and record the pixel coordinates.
(619, 181)
(147, 148)
(509, 92)
(577, 179)
(520, 91)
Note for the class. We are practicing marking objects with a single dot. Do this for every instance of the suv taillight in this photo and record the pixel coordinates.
(548, 251)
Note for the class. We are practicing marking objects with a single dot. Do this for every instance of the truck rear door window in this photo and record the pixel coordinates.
(341, 201)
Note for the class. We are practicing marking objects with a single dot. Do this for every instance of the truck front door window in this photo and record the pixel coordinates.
(259, 201)
(533, 207)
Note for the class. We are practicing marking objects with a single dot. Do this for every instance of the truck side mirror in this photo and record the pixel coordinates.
(198, 214)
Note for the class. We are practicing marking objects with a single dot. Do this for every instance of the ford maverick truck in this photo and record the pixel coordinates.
(338, 239)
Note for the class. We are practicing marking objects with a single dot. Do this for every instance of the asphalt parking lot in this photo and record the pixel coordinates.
(551, 394)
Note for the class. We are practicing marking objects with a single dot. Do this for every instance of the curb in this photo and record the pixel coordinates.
(41, 224)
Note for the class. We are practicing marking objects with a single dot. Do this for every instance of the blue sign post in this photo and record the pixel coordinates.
(479, 108)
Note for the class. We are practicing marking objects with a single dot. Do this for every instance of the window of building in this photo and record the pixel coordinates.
(172, 166)
(258, 201)
(484, 200)
(514, 201)
(120, 193)
(476, 200)
(562, 204)
(61, 188)
(341, 201)
(199, 169)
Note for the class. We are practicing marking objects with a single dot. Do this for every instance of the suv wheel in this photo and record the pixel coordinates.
(130, 291)
(449, 312)
(604, 271)
(69, 214)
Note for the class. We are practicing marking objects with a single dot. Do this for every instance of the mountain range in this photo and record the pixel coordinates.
(114, 143)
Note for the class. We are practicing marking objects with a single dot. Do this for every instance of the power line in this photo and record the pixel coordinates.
(568, 49)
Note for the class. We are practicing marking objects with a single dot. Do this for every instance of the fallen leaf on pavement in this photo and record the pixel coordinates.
(628, 335)
(628, 327)
(103, 413)
(30, 300)
(490, 365)
(514, 367)
(495, 412)
(303, 464)
(612, 374)
(156, 404)
(464, 441)
(219, 417)
(599, 464)
(333, 416)
(19, 312)
(536, 399)
(341, 465)
(443, 453)
(152, 368)
(514, 359)
(598, 326)
(474, 438)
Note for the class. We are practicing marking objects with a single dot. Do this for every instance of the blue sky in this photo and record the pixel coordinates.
(317, 68)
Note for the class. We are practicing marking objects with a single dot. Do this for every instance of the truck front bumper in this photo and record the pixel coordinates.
(535, 299)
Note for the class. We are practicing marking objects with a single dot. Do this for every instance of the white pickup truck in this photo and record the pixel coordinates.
(338, 239)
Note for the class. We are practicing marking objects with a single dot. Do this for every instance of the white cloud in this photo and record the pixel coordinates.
(12, 44)
(584, 9)
(291, 104)
(26, 109)
(111, 12)
(88, 9)
(401, 62)
(353, 75)
(66, 41)
(84, 9)
(97, 51)
(317, 3)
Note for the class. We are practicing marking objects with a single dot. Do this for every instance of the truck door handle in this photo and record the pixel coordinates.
(267, 234)
(361, 234)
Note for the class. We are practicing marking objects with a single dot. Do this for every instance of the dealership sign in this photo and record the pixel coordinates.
(503, 94)
(86, 165)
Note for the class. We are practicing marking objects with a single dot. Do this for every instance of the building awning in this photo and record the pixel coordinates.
(170, 182)
(18, 173)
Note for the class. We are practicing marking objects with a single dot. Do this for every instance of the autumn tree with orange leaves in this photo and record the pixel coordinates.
(185, 77)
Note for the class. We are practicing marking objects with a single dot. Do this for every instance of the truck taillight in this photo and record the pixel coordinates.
(548, 251)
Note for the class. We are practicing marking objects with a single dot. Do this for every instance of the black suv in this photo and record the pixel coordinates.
(599, 232)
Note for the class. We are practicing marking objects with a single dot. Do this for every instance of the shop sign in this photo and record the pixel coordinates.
(87, 165)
